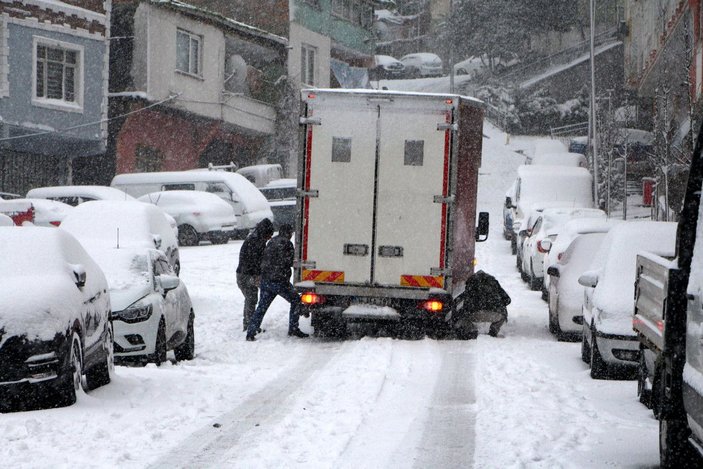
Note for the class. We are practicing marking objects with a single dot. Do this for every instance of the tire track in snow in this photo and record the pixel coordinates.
(208, 446)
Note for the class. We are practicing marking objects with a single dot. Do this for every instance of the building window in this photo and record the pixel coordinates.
(308, 65)
(188, 52)
(57, 73)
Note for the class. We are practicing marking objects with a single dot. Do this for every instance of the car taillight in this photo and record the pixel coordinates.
(433, 306)
(540, 248)
(559, 256)
(55, 223)
(310, 298)
(197, 214)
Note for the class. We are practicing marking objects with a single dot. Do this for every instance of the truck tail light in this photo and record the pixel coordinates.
(311, 298)
(433, 306)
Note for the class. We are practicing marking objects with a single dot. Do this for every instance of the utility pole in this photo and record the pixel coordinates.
(594, 134)
(451, 46)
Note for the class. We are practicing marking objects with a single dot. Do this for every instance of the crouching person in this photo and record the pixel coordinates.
(276, 268)
(484, 300)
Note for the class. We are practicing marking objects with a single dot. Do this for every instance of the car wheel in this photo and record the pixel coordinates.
(187, 236)
(72, 380)
(554, 327)
(599, 369)
(585, 349)
(535, 283)
(186, 351)
(513, 245)
(675, 450)
(159, 355)
(644, 390)
(102, 373)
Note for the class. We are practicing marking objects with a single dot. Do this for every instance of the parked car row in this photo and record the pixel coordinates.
(417, 65)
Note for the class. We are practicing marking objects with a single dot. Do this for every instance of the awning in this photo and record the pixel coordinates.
(349, 77)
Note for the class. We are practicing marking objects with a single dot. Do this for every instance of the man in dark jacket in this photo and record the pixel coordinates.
(484, 300)
(275, 280)
(249, 268)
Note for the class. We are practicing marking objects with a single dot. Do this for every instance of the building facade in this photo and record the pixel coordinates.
(194, 87)
(53, 90)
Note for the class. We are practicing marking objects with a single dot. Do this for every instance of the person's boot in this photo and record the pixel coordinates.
(251, 338)
(297, 333)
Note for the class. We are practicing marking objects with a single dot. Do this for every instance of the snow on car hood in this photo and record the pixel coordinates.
(121, 298)
(38, 306)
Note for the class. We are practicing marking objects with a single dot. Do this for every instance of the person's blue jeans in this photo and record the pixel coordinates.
(268, 290)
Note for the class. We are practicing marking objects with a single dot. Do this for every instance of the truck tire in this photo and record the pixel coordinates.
(328, 327)
(411, 329)
(644, 390)
(675, 451)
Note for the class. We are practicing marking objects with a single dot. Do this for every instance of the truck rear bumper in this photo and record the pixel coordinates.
(360, 291)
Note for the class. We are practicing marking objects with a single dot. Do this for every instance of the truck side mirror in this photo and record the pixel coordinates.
(483, 225)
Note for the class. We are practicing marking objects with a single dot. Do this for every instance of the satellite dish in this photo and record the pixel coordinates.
(236, 74)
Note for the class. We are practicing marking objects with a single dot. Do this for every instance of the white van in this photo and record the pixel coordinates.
(261, 174)
(249, 204)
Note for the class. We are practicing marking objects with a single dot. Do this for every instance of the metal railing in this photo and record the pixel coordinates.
(578, 129)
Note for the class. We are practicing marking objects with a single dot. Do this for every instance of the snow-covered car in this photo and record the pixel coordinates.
(55, 333)
(281, 195)
(124, 224)
(541, 235)
(565, 292)
(74, 195)
(151, 309)
(560, 159)
(471, 66)
(6, 220)
(43, 212)
(609, 342)
(199, 215)
(544, 146)
(568, 232)
(261, 174)
(422, 64)
(385, 67)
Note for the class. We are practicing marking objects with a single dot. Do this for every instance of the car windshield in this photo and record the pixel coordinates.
(279, 193)
(123, 268)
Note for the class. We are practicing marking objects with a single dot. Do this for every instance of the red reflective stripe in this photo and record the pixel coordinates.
(306, 200)
(445, 189)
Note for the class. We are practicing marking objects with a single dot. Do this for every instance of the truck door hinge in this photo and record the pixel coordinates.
(438, 271)
(298, 264)
(446, 126)
(440, 199)
(310, 193)
(310, 121)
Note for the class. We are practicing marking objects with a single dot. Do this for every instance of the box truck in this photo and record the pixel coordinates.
(386, 223)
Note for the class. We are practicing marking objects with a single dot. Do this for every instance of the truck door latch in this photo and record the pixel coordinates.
(356, 249)
(390, 251)
(310, 121)
(310, 193)
(443, 126)
(440, 199)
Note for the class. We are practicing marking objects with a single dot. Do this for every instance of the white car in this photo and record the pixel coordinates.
(423, 64)
(74, 195)
(151, 309)
(560, 159)
(38, 212)
(609, 342)
(565, 292)
(541, 235)
(544, 146)
(5, 220)
(281, 194)
(199, 215)
(55, 333)
(385, 67)
(124, 224)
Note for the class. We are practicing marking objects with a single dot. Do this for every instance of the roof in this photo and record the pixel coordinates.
(221, 20)
(389, 93)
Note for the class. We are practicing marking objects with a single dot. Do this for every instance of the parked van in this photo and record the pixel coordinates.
(261, 174)
(249, 204)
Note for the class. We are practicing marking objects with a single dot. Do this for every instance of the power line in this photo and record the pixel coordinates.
(88, 124)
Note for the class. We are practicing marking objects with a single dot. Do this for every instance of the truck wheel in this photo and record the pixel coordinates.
(644, 390)
(599, 369)
(328, 327)
(675, 450)
(411, 329)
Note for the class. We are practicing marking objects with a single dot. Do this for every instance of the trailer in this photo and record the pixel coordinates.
(386, 222)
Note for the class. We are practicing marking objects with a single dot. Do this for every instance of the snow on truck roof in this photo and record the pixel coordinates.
(388, 93)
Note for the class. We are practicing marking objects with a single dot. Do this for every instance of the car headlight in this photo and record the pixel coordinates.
(137, 312)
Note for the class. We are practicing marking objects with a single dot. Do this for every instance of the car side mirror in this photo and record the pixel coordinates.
(79, 275)
(589, 279)
(508, 202)
(157, 241)
(553, 271)
(546, 244)
(578, 320)
(169, 282)
(483, 225)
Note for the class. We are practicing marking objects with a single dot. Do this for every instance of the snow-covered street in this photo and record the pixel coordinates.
(519, 400)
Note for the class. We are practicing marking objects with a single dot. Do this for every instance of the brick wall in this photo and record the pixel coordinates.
(18, 9)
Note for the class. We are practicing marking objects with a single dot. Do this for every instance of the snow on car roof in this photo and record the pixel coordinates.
(281, 183)
(559, 159)
(385, 59)
(543, 146)
(618, 254)
(96, 192)
(562, 185)
(182, 197)
(423, 55)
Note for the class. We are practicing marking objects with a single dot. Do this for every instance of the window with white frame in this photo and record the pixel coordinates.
(308, 64)
(188, 52)
(58, 72)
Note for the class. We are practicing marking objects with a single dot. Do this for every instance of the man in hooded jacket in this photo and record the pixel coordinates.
(276, 268)
(249, 268)
(484, 300)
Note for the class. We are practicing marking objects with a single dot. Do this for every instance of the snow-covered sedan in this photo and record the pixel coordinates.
(281, 195)
(199, 215)
(55, 333)
(609, 341)
(42, 212)
(151, 309)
